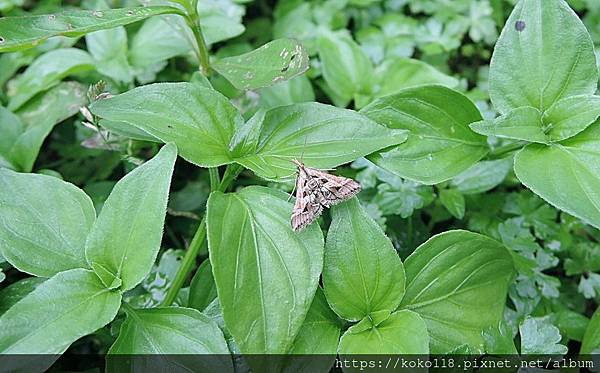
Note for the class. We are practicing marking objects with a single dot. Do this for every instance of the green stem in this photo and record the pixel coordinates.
(193, 21)
(231, 172)
(215, 179)
(501, 151)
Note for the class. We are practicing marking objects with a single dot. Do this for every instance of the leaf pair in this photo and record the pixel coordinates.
(542, 81)
(209, 131)
(455, 283)
(48, 228)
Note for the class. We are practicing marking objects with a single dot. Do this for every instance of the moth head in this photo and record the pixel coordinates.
(297, 163)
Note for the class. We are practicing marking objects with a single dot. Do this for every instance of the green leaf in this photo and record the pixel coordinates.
(483, 176)
(278, 60)
(404, 332)
(539, 336)
(457, 282)
(570, 116)
(184, 334)
(296, 90)
(319, 135)
(159, 39)
(44, 222)
(396, 74)
(319, 335)
(24, 32)
(346, 69)
(362, 273)
(524, 123)
(125, 239)
(39, 115)
(262, 267)
(591, 339)
(544, 54)
(571, 324)
(499, 339)
(440, 145)
(571, 165)
(47, 71)
(109, 50)
(453, 201)
(13, 293)
(202, 289)
(58, 312)
(11, 128)
(200, 121)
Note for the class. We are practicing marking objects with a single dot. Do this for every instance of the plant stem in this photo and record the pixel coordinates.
(193, 21)
(231, 172)
(215, 179)
(500, 151)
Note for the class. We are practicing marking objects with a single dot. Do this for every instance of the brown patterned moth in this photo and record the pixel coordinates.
(316, 190)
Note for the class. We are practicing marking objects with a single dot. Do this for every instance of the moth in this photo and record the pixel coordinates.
(317, 190)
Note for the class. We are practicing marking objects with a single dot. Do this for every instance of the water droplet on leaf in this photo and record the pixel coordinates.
(520, 25)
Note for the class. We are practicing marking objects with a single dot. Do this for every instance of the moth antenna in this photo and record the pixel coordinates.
(303, 149)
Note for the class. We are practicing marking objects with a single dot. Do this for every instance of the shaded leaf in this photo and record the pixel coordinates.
(169, 339)
(28, 31)
(278, 60)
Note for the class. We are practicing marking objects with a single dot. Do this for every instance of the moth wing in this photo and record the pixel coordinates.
(303, 218)
(306, 208)
(336, 189)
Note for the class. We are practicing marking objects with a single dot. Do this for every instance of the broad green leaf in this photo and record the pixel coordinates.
(58, 312)
(39, 116)
(47, 71)
(184, 335)
(200, 121)
(54, 106)
(13, 293)
(591, 339)
(125, 239)
(571, 324)
(570, 116)
(262, 267)
(296, 90)
(278, 60)
(404, 332)
(499, 339)
(524, 123)
(565, 174)
(544, 54)
(362, 273)
(457, 282)
(109, 50)
(483, 176)
(24, 32)
(202, 289)
(396, 74)
(319, 135)
(11, 128)
(346, 68)
(44, 222)
(539, 336)
(453, 201)
(159, 39)
(440, 144)
(127, 130)
(319, 335)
